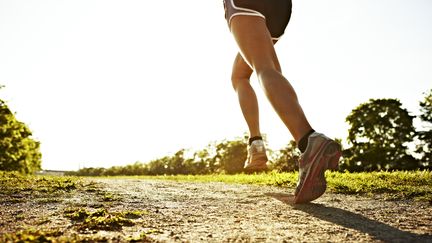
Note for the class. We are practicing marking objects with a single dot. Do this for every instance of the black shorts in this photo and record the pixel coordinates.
(277, 13)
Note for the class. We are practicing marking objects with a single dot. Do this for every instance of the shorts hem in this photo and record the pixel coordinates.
(245, 14)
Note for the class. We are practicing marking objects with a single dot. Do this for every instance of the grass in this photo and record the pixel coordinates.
(13, 183)
(101, 219)
(392, 185)
(34, 235)
(109, 197)
(49, 235)
(397, 185)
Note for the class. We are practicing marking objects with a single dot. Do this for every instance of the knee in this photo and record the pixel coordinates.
(270, 71)
(238, 82)
(268, 76)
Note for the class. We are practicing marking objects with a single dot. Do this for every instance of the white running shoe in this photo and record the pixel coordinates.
(257, 158)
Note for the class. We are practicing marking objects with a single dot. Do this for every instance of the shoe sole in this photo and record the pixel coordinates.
(258, 165)
(250, 170)
(315, 184)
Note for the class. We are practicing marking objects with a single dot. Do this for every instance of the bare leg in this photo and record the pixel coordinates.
(246, 95)
(258, 51)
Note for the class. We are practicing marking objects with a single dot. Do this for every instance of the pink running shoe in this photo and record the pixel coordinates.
(322, 153)
(257, 158)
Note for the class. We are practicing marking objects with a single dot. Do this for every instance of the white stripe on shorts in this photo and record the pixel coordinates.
(251, 12)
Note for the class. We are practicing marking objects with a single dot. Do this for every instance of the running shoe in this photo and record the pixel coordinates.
(257, 158)
(321, 153)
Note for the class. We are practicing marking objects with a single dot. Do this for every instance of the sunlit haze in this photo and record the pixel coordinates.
(104, 83)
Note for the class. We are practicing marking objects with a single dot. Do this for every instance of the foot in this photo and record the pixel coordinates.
(322, 153)
(257, 158)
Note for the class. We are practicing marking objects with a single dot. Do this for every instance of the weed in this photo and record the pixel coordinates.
(143, 236)
(101, 219)
(134, 214)
(55, 235)
(31, 235)
(47, 200)
(20, 216)
(109, 197)
(91, 187)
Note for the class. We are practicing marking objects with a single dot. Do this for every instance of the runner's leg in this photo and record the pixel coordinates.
(256, 46)
(241, 74)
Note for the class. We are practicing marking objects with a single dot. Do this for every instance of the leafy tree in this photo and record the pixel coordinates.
(158, 166)
(176, 164)
(380, 130)
(18, 151)
(286, 159)
(425, 135)
(89, 172)
(231, 155)
(204, 161)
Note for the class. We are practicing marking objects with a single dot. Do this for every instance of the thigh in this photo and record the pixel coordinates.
(255, 42)
(276, 12)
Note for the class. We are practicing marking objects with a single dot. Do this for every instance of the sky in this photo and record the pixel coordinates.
(109, 82)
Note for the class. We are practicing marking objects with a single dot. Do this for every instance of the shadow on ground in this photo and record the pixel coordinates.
(378, 230)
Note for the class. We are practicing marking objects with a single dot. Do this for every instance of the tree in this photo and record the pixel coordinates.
(379, 133)
(158, 166)
(176, 164)
(231, 155)
(18, 151)
(286, 159)
(204, 162)
(425, 135)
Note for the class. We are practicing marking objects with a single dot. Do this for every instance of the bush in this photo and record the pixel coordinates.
(18, 151)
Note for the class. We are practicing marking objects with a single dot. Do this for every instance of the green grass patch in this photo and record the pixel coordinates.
(101, 219)
(109, 197)
(393, 185)
(143, 236)
(33, 235)
(56, 236)
(271, 178)
(14, 183)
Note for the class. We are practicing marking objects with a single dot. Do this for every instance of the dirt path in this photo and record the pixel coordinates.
(227, 212)
(218, 212)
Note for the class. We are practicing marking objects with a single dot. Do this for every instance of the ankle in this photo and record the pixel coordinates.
(302, 144)
(254, 138)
